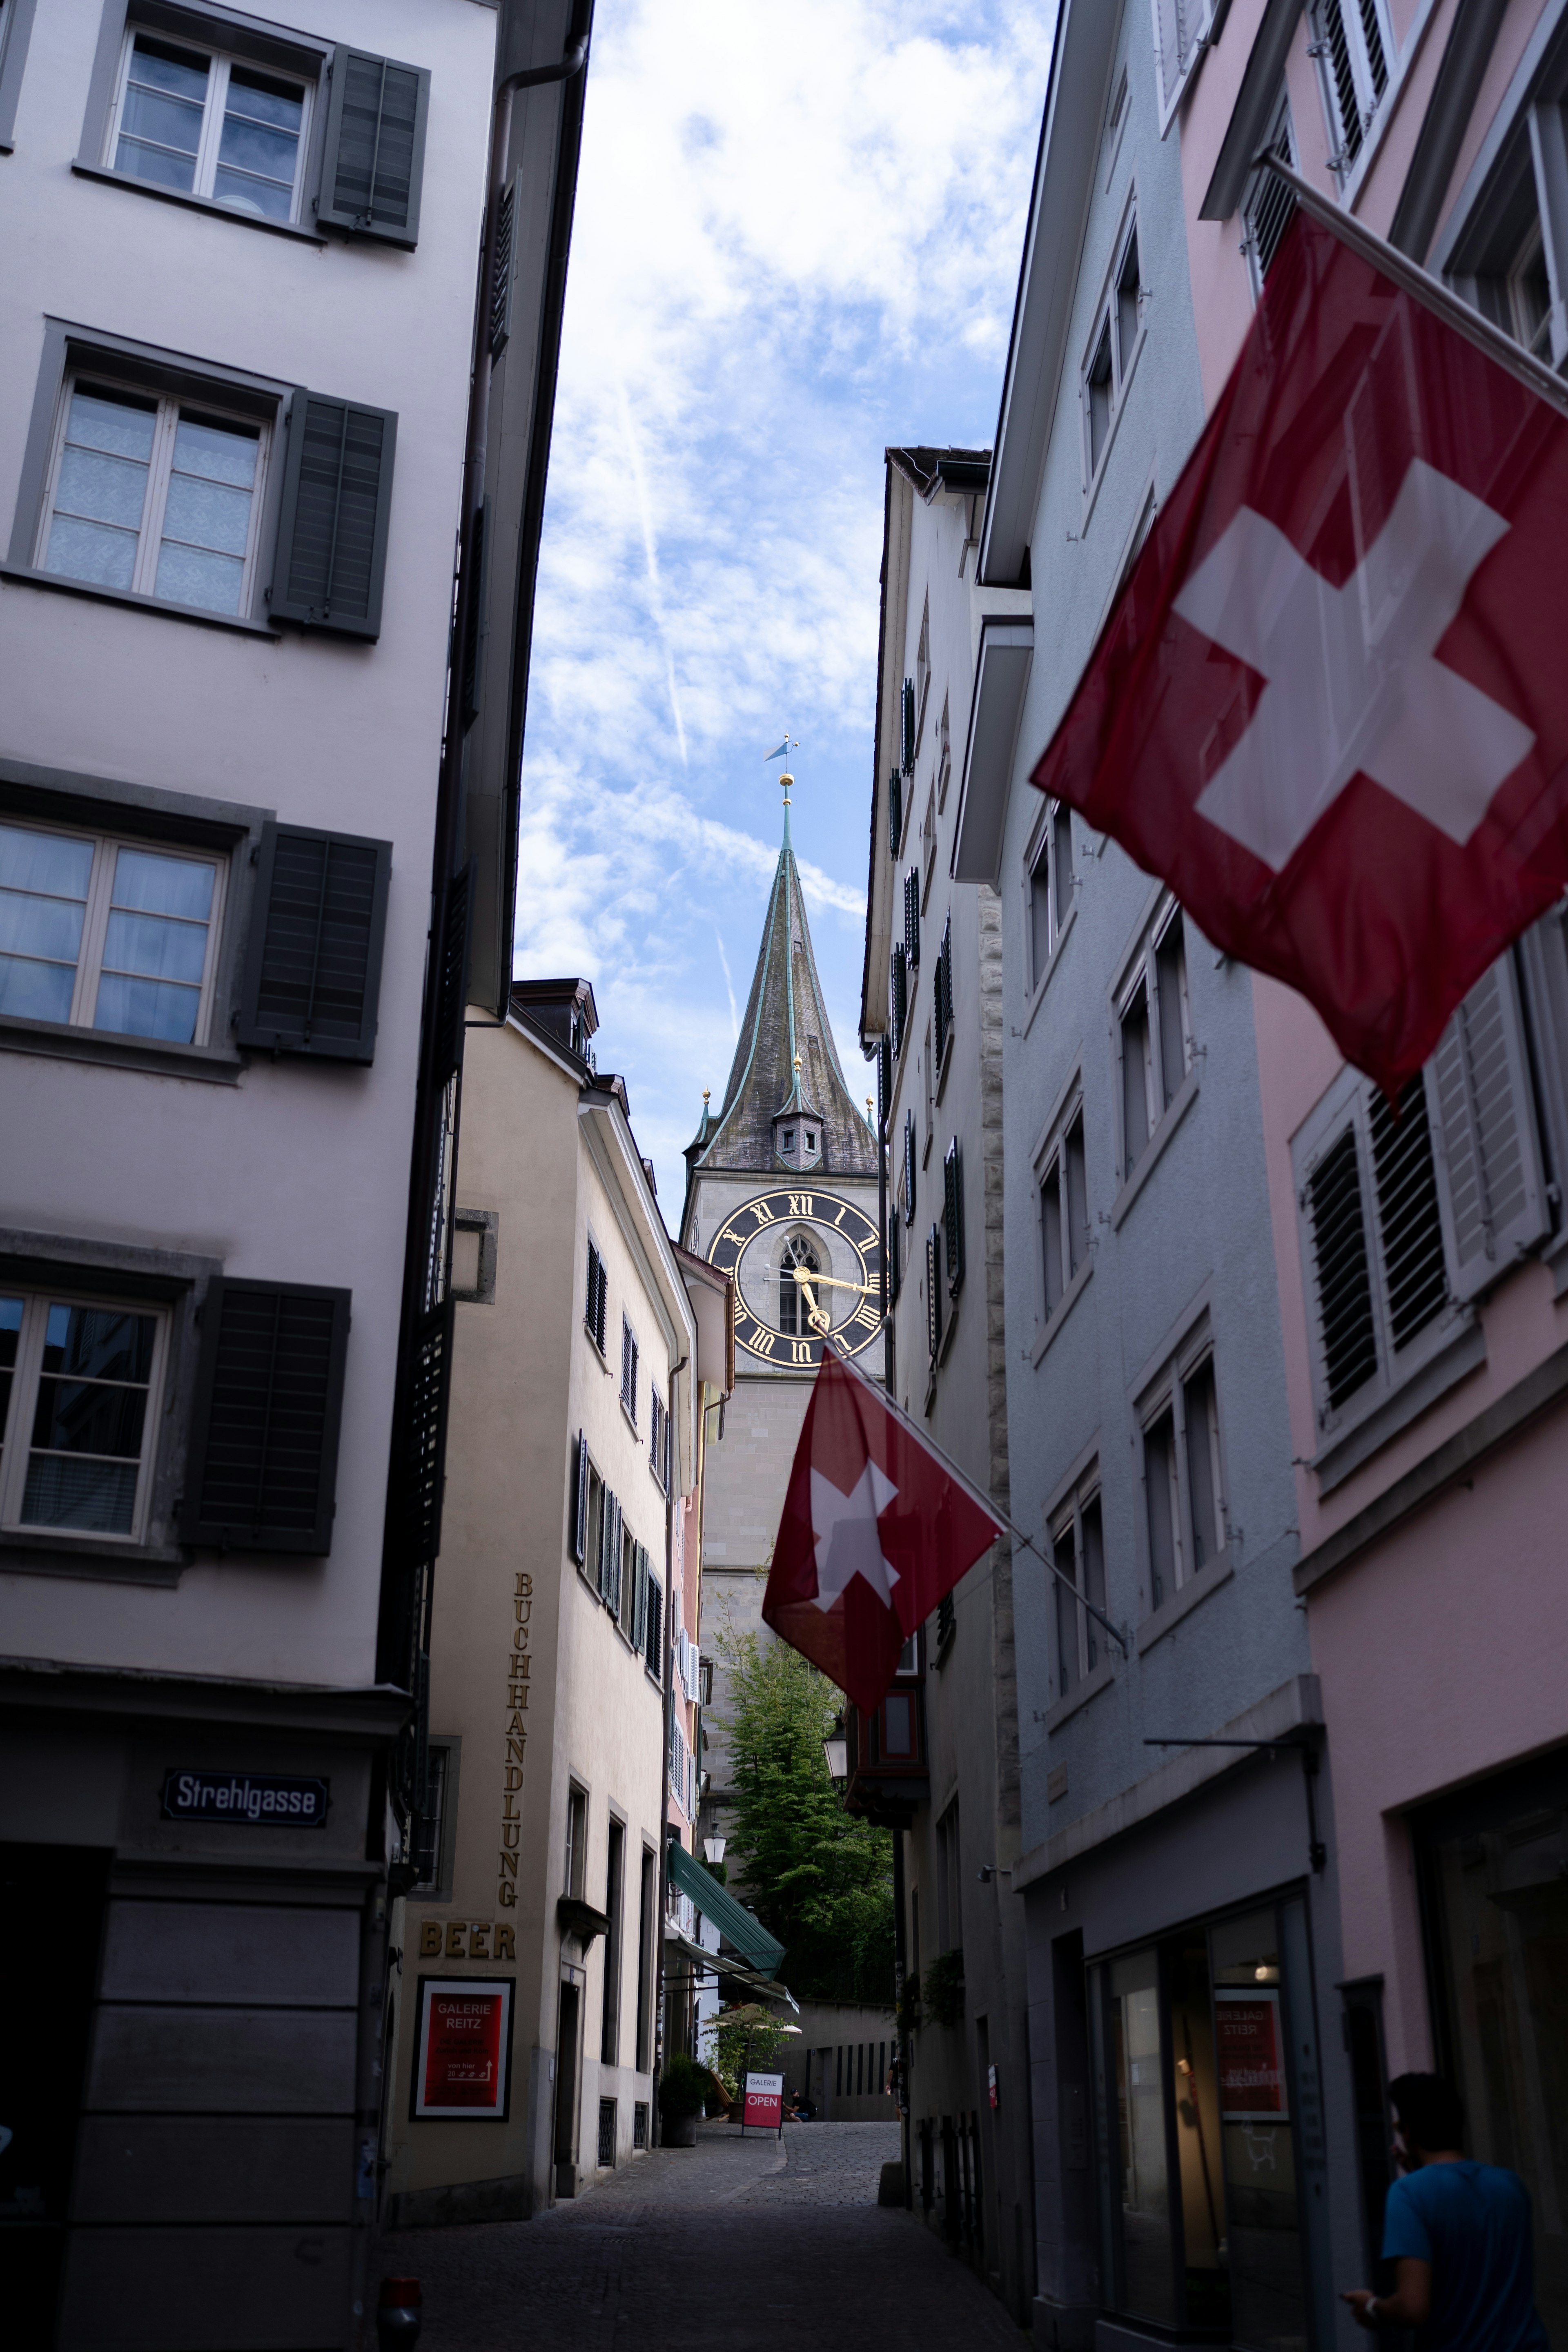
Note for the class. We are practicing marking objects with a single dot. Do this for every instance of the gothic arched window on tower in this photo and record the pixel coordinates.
(794, 1314)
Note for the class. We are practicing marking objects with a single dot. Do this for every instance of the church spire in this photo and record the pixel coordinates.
(786, 1105)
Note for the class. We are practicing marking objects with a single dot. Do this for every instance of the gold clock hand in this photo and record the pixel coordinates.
(831, 1281)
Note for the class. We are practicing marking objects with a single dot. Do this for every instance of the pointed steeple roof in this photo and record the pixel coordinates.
(785, 1060)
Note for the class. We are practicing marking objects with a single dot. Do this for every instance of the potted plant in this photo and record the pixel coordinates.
(682, 2095)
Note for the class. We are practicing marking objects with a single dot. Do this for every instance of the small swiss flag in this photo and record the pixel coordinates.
(875, 1530)
(1331, 707)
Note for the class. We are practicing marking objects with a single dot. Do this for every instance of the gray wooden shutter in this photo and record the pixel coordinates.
(908, 1168)
(1346, 1331)
(933, 1292)
(655, 1649)
(312, 967)
(263, 1458)
(503, 271)
(952, 1214)
(374, 159)
(640, 1597)
(1492, 1193)
(452, 996)
(330, 563)
(476, 619)
(895, 811)
(580, 1504)
(912, 918)
(898, 994)
(907, 747)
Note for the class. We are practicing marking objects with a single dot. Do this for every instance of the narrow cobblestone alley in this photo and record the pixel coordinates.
(740, 2244)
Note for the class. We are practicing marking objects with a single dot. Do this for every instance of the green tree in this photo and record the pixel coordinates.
(818, 1878)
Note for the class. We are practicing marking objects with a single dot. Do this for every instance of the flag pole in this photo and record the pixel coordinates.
(1420, 284)
(977, 1494)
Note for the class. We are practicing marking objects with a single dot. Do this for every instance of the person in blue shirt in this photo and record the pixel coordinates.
(1458, 2234)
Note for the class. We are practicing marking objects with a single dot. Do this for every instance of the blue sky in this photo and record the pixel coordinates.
(797, 239)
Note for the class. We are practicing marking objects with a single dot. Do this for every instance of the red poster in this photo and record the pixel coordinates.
(764, 2102)
(461, 2066)
(1251, 2056)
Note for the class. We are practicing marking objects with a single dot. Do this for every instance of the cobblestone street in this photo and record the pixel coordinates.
(733, 2246)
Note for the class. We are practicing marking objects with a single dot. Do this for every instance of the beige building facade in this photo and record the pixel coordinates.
(571, 1454)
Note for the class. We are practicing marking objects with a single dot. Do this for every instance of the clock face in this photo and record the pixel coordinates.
(762, 1240)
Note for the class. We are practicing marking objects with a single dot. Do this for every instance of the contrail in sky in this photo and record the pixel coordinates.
(650, 552)
(730, 989)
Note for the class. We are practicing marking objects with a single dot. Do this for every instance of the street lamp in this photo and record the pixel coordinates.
(835, 1753)
(713, 1849)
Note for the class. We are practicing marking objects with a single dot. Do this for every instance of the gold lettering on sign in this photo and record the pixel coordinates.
(520, 1669)
(430, 1940)
(455, 1940)
(438, 1942)
(479, 1949)
(506, 1942)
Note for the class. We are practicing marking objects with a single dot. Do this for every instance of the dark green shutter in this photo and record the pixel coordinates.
(580, 1503)
(655, 1649)
(312, 969)
(503, 271)
(374, 158)
(263, 1443)
(331, 558)
(952, 1214)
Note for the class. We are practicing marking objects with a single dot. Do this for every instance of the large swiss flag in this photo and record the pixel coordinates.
(1331, 707)
(875, 1530)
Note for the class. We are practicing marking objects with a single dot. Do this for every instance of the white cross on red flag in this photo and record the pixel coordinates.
(1331, 707)
(875, 1530)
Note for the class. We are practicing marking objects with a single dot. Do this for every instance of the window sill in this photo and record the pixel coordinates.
(32, 1552)
(62, 1041)
(26, 575)
(1079, 1695)
(1185, 1598)
(1186, 1095)
(1064, 1307)
(113, 179)
(1348, 1449)
(1038, 998)
(599, 1356)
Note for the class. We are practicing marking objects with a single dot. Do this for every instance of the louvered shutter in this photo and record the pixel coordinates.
(898, 994)
(655, 1651)
(1492, 1191)
(895, 811)
(895, 1268)
(933, 1292)
(1342, 1273)
(912, 918)
(263, 1443)
(503, 271)
(908, 1168)
(374, 158)
(580, 1504)
(452, 998)
(330, 557)
(908, 745)
(952, 1214)
(942, 991)
(312, 967)
(476, 615)
(884, 1084)
(639, 1628)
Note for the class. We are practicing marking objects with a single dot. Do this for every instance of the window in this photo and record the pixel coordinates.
(953, 1216)
(1077, 1550)
(705, 1682)
(1181, 27)
(597, 1302)
(1183, 1491)
(77, 1418)
(659, 1436)
(155, 497)
(1154, 1035)
(1351, 46)
(612, 1546)
(576, 1841)
(1113, 348)
(639, 2122)
(944, 757)
(653, 1649)
(1268, 207)
(437, 1822)
(912, 918)
(629, 1370)
(610, 2027)
(607, 2133)
(1064, 1212)
(1050, 887)
(208, 125)
(108, 934)
(910, 1149)
(16, 26)
(647, 1904)
(794, 1313)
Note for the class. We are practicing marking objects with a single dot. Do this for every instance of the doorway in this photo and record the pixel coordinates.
(567, 2051)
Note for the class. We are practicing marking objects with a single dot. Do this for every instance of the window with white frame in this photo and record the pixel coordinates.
(658, 1435)
(78, 1383)
(630, 1370)
(1077, 1552)
(1183, 1484)
(1064, 1211)
(1049, 881)
(1352, 42)
(98, 933)
(204, 124)
(1155, 1035)
(154, 496)
(1269, 206)
(1113, 346)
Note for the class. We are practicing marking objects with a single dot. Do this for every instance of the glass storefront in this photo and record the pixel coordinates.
(1206, 2097)
(1494, 1869)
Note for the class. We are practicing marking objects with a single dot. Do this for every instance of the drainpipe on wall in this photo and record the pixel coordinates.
(903, 2043)
(667, 1674)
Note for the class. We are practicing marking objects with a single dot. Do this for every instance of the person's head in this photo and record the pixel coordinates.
(1428, 2114)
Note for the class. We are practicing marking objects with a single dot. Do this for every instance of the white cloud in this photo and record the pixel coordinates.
(796, 237)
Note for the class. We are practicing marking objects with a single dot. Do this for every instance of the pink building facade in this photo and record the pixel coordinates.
(1423, 1259)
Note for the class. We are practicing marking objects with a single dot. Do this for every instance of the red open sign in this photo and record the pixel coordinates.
(764, 2102)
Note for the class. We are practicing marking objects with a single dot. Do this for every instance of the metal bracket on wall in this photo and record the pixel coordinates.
(1316, 1852)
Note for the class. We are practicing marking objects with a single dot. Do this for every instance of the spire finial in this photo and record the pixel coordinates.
(705, 1094)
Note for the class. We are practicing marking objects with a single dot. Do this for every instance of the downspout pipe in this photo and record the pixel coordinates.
(668, 1676)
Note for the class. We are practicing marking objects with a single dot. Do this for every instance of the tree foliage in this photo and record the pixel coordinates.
(816, 1877)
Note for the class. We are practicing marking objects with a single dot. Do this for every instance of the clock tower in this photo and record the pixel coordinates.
(781, 1193)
